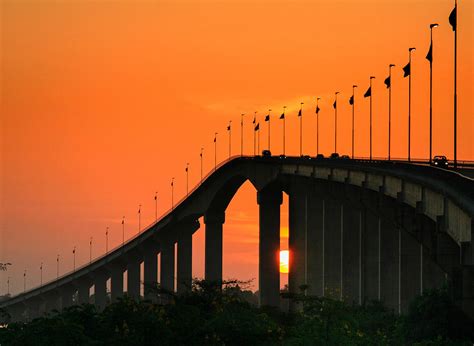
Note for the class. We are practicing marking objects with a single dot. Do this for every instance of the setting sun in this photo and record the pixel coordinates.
(284, 261)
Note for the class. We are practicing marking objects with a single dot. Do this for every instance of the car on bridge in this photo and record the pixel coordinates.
(440, 161)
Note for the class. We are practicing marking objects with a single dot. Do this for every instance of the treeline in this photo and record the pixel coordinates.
(211, 316)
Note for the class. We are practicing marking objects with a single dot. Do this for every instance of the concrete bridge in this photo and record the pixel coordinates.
(358, 231)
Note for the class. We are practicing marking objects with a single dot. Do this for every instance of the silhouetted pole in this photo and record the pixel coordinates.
(107, 240)
(200, 155)
(229, 129)
(352, 102)
(453, 21)
(242, 134)
(430, 59)
(139, 218)
(8, 285)
(172, 193)
(317, 125)
(41, 274)
(74, 259)
(300, 115)
(24, 281)
(215, 151)
(123, 230)
(267, 118)
(187, 179)
(370, 102)
(335, 121)
(90, 250)
(156, 206)
(57, 267)
(254, 122)
(389, 109)
(282, 116)
(409, 101)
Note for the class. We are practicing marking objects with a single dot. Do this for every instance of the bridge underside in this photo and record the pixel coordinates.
(354, 242)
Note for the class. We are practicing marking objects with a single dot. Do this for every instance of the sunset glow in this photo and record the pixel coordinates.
(284, 261)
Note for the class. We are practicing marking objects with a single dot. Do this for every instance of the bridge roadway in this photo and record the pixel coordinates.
(358, 231)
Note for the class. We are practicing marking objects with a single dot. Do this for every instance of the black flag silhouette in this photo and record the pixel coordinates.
(387, 82)
(351, 100)
(368, 92)
(453, 18)
(406, 70)
(317, 109)
(267, 117)
(429, 56)
(282, 116)
(334, 104)
(257, 127)
(228, 128)
(299, 113)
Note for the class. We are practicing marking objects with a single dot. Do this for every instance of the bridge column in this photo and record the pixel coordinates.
(100, 293)
(66, 297)
(371, 256)
(213, 247)
(133, 277)
(116, 282)
(185, 256)
(315, 241)
(167, 265)
(269, 202)
(150, 270)
(297, 238)
(83, 291)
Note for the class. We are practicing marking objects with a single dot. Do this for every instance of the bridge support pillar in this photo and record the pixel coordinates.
(269, 246)
(167, 265)
(150, 271)
(116, 283)
(66, 297)
(213, 247)
(133, 278)
(185, 256)
(100, 293)
(83, 292)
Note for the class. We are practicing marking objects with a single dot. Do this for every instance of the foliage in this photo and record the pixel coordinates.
(211, 315)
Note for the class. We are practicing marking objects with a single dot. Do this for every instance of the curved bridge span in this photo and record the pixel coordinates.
(358, 231)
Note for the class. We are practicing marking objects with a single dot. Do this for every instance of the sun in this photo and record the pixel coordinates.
(284, 261)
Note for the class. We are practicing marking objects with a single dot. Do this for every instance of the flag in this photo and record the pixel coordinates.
(406, 70)
(228, 128)
(300, 113)
(351, 100)
(267, 117)
(317, 109)
(172, 183)
(453, 18)
(282, 116)
(368, 92)
(254, 120)
(123, 221)
(138, 212)
(156, 196)
(74, 251)
(429, 56)
(186, 169)
(334, 104)
(215, 139)
(387, 82)
(257, 127)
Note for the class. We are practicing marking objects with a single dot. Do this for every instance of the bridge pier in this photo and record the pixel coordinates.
(116, 282)
(150, 270)
(100, 290)
(66, 296)
(83, 292)
(213, 245)
(315, 241)
(333, 244)
(167, 265)
(133, 277)
(185, 256)
(269, 202)
(352, 254)
(297, 238)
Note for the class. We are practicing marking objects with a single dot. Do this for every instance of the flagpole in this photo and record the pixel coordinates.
(41, 274)
(353, 118)
(269, 119)
(335, 123)
(229, 128)
(455, 27)
(371, 77)
(74, 259)
(258, 140)
(242, 134)
(200, 154)
(301, 128)
(172, 193)
(107, 240)
(254, 133)
(317, 125)
(390, 108)
(57, 267)
(90, 250)
(431, 90)
(123, 230)
(139, 217)
(187, 179)
(215, 151)
(156, 206)
(409, 103)
(284, 129)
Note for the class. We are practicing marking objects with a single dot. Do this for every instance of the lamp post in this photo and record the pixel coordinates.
(430, 59)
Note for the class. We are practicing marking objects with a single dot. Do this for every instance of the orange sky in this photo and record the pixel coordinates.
(102, 102)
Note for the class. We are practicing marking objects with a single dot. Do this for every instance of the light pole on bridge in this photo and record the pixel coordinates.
(352, 103)
(123, 230)
(139, 218)
(172, 193)
(317, 125)
(90, 250)
(24, 281)
(57, 267)
(388, 83)
(215, 151)
(335, 121)
(41, 274)
(74, 259)
(300, 115)
(407, 72)
(242, 134)
(267, 119)
(282, 117)
(201, 158)
(429, 56)
(107, 240)
(187, 179)
(229, 130)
